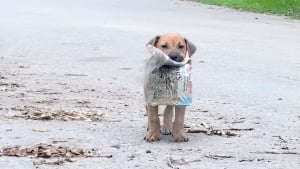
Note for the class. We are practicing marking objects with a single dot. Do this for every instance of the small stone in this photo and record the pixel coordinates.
(148, 151)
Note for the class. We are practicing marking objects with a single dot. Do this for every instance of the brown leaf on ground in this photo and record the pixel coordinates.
(217, 157)
(61, 154)
(205, 128)
(48, 151)
(34, 113)
(275, 152)
(173, 162)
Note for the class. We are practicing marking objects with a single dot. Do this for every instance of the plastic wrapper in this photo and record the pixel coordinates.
(167, 82)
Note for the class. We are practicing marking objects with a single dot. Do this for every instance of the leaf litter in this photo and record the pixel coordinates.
(209, 130)
(34, 113)
(48, 152)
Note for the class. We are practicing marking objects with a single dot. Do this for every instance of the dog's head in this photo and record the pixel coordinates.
(174, 45)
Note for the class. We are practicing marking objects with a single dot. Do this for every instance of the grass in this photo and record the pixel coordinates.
(281, 7)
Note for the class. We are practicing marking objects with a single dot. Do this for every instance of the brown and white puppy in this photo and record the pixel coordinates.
(177, 48)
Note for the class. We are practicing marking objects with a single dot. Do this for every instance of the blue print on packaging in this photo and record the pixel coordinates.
(185, 101)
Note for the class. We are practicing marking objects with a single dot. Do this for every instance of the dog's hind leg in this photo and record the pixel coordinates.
(168, 120)
(153, 133)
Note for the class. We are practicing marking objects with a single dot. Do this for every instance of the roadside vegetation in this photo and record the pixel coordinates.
(281, 7)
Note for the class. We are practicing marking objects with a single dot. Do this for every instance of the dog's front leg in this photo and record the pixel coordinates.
(153, 133)
(168, 117)
(178, 130)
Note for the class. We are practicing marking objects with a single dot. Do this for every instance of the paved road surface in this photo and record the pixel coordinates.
(90, 54)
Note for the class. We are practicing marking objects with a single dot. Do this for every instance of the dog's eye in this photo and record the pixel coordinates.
(164, 46)
(180, 46)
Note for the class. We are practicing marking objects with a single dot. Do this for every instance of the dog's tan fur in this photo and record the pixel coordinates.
(177, 48)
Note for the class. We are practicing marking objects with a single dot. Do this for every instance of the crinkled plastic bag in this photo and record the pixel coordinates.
(167, 82)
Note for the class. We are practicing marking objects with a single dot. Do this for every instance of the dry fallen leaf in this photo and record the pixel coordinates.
(47, 151)
(205, 128)
(34, 113)
(60, 154)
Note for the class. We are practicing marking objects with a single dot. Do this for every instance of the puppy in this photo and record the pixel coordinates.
(177, 48)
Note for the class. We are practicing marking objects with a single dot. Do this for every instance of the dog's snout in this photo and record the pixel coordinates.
(174, 56)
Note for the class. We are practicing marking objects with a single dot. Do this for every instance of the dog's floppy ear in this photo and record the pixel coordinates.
(191, 48)
(154, 41)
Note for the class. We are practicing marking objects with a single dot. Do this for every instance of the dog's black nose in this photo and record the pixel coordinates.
(173, 56)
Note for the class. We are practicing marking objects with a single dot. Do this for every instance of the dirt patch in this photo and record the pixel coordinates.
(34, 113)
(60, 154)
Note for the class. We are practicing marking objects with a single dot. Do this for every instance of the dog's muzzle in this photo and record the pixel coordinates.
(175, 56)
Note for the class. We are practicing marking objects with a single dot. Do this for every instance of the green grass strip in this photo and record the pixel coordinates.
(282, 7)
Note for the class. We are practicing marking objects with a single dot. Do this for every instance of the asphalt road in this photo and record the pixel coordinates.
(246, 74)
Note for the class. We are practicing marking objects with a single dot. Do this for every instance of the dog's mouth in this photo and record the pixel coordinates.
(176, 57)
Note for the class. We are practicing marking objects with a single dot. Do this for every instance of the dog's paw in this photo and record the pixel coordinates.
(152, 136)
(180, 137)
(166, 131)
